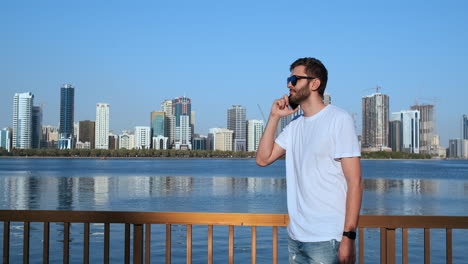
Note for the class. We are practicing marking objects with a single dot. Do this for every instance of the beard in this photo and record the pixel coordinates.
(302, 94)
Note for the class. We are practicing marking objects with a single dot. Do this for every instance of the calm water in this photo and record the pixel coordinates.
(391, 187)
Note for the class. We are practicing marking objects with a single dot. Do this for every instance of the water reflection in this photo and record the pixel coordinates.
(144, 193)
(145, 189)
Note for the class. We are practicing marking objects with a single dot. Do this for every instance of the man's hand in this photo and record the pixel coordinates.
(280, 108)
(347, 251)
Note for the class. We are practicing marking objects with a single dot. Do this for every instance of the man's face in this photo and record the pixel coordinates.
(301, 91)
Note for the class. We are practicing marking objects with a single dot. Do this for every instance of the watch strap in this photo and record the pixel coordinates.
(350, 235)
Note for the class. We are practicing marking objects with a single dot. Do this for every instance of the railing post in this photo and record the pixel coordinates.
(391, 252)
(6, 242)
(137, 243)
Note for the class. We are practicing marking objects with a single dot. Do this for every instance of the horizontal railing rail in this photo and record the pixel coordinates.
(142, 222)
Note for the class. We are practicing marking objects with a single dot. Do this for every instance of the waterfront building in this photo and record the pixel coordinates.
(427, 128)
(67, 112)
(86, 132)
(326, 98)
(465, 127)
(169, 122)
(236, 121)
(455, 148)
(113, 141)
(160, 142)
(182, 108)
(36, 127)
(83, 145)
(395, 135)
(50, 137)
(192, 125)
(142, 137)
(375, 113)
(5, 138)
(157, 124)
(410, 120)
(254, 133)
(199, 142)
(220, 139)
(126, 141)
(22, 120)
(101, 133)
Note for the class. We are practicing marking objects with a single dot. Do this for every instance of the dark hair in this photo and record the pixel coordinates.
(313, 68)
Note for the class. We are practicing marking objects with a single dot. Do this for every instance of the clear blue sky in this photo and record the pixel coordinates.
(135, 54)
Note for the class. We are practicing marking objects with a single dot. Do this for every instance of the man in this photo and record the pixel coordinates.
(323, 170)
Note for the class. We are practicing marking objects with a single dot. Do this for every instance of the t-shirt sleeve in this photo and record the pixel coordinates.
(282, 139)
(346, 141)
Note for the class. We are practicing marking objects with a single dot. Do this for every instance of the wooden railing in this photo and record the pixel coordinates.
(142, 222)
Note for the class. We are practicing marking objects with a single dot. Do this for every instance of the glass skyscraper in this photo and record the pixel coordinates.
(465, 127)
(157, 123)
(236, 121)
(67, 111)
(182, 109)
(22, 120)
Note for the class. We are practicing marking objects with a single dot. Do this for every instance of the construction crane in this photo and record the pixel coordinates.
(261, 112)
(377, 89)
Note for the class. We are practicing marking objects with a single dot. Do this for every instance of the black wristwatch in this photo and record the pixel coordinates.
(350, 234)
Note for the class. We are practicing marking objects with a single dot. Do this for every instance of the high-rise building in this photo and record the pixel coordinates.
(142, 137)
(113, 141)
(254, 133)
(159, 141)
(395, 134)
(22, 120)
(87, 130)
(49, 137)
(169, 122)
(455, 148)
(36, 127)
(375, 121)
(157, 124)
(199, 142)
(236, 121)
(326, 99)
(410, 120)
(182, 108)
(5, 137)
(67, 112)
(465, 127)
(126, 141)
(426, 129)
(220, 139)
(192, 125)
(102, 126)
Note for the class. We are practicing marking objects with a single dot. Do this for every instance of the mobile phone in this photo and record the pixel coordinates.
(292, 105)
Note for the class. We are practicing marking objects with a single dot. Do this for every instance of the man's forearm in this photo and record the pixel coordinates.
(267, 142)
(353, 206)
(352, 171)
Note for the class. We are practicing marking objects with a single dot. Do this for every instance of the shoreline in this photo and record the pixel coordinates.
(233, 158)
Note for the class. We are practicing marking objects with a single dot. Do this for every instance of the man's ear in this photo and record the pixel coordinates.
(315, 84)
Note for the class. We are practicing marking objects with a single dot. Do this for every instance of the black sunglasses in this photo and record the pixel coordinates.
(293, 79)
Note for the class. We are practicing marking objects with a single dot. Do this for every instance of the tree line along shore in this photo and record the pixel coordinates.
(172, 153)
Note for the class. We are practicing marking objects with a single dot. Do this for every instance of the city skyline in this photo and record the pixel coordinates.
(223, 54)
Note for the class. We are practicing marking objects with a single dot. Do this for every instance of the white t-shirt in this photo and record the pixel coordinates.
(316, 186)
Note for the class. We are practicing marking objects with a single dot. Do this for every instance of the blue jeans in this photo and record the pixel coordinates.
(324, 252)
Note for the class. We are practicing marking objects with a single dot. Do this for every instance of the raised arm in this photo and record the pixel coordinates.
(268, 150)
